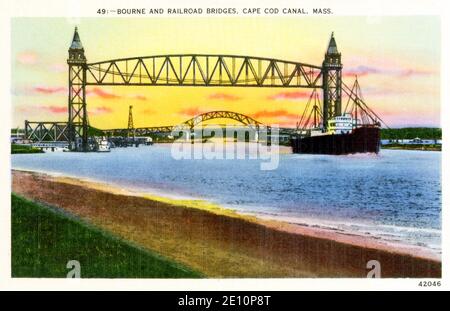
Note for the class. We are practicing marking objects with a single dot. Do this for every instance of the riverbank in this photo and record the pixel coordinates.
(22, 149)
(218, 242)
(431, 147)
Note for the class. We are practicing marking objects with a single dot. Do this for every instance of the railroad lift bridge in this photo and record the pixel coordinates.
(197, 70)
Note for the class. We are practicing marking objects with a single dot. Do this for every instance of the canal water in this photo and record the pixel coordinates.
(394, 196)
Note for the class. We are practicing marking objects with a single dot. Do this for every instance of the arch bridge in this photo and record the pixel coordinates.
(190, 124)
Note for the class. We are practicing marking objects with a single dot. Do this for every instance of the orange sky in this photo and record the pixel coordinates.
(397, 60)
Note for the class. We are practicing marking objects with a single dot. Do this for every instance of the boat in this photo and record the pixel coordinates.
(103, 145)
(330, 128)
(55, 146)
(416, 140)
(342, 136)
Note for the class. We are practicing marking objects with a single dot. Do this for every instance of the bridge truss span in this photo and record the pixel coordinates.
(190, 124)
(204, 70)
(46, 131)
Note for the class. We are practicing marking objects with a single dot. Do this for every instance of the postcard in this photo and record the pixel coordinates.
(197, 143)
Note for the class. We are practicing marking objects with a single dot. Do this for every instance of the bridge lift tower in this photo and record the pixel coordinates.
(77, 123)
(332, 82)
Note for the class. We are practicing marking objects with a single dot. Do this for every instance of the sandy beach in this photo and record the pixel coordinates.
(219, 242)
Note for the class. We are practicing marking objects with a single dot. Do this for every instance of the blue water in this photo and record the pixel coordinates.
(394, 196)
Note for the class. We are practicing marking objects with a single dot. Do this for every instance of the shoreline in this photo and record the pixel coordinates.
(222, 233)
(309, 226)
(437, 148)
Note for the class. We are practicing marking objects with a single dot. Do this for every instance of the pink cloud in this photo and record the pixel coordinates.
(223, 96)
(107, 94)
(27, 58)
(289, 96)
(49, 89)
(102, 93)
(55, 109)
(52, 109)
(100, 110)
(399, 72)
(412, 72)
(138, 96)
(360, 71)
(281, 113)
(191, 112)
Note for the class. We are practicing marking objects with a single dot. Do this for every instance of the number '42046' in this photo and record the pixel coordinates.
(429, 283)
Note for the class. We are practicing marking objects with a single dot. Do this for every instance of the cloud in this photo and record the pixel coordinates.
(102, 93)
(289, 96)
(58, 67)
(49, 89)
(223, 96)
(107, 94)
(399, 72)
(100, 110)
(281, 113)
(191, 112)
(412, 72)
(147, 111)
(27, 58)
(137, 96)
(360, 71)
(54, 109)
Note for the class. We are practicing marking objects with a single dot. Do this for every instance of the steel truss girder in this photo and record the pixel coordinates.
(204, 70)
(47, 131)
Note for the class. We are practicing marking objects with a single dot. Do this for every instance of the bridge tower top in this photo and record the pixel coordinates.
(332, 56)
(76, 50)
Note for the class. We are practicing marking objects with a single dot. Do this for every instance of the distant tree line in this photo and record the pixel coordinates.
(93, 131)
(411, 133)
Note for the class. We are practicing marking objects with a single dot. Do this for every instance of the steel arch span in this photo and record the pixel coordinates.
(243, 119)
(192, 123)
(204, 70)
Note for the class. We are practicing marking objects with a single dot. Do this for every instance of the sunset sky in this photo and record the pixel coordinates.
(397, 60)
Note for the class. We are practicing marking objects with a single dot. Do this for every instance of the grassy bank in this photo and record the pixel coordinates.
(24, 149)
(411, 133)
(428, 147)
(44, 240)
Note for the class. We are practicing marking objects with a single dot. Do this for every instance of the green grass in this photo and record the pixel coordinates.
(93, 131)
(45, 239)
(24, 149)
